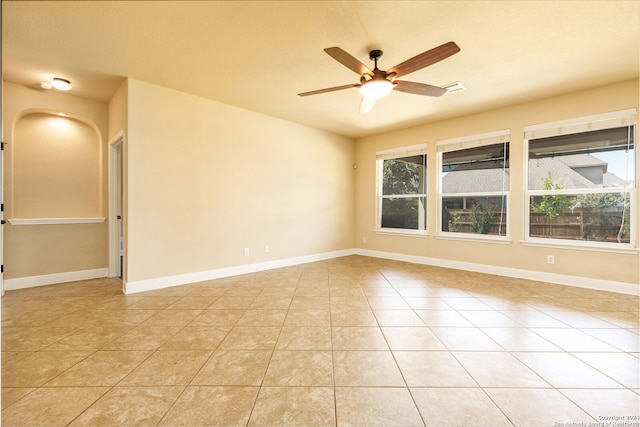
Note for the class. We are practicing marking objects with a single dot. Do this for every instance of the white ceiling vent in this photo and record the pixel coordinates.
(454, 87)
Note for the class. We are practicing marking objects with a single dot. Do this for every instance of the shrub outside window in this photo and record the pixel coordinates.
(581, 181)
(474, 185)
(402, 189)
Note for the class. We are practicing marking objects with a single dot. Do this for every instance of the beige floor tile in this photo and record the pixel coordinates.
(397, 318)
(619, 338)
(489, 319)
(32, 339)
(197, 338)
(262, 318)
(143, 338)
(270, 303)
(234, 367)
(352, 291)
(192, 303)
(300, 332)
(217, 318)
(39, 368)
(499, 369)
(519, 339)
(232, 303)
(356, 317)
(379, 406)
(300, 368)
(563, 370)
(627, 319)
(308, 317)
(212, 406)
(167, 368)
(294, 406)
(455, 407)
(90, 338)
(622, 367)
(380, 292)
(573, 340)
(432, 369)
(103, 368)
(465, 339)
(310, 303)
(12, 395)
(304, 338)
(466, 303)
(172, 318)
(366, 369)
(416, 338)
(251, 338)
(579, 319)
(358, 338)
(51, 406)
(537, 407)
(388, 303)
(427, 303)
(130, 406)
(442, 318)
(606, 403)
(534, 319)
(348, 302)
(122, 318)
(152, 302)
(420, 292)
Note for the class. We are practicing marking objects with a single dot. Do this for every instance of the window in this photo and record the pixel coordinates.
(474, 185)
(580, 180)
(402, 189)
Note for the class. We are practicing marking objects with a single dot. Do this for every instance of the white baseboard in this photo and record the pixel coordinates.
(51, 279)
(183, 279)
(560, 279)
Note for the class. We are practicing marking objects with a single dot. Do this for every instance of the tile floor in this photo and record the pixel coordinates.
(347, 342)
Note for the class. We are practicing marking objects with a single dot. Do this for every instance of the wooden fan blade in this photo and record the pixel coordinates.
(366, 104)
(347, 60)
(425, 59)
(419, 88)
(329, 89)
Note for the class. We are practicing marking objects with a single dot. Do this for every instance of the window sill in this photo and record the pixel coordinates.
(401, 232)
(55, 221)
(481, 238)
(580, 246)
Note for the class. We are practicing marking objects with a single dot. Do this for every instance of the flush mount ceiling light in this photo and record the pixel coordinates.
(61, 84)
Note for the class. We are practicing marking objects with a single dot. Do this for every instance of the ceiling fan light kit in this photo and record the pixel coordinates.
(377, 84)
(376, 88)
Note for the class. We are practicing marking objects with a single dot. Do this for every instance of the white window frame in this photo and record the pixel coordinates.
(461, 143)
(395, 153)
(577, 125)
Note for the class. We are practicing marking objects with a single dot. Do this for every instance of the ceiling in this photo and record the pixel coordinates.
(258, 55)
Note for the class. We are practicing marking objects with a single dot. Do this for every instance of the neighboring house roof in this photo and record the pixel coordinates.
(562, 168)
(475, 181)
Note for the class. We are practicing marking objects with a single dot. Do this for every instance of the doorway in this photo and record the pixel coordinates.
(116, 207)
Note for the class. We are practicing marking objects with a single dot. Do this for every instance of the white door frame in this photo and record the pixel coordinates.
(116, 206)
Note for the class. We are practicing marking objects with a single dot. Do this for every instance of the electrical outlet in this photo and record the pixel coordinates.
(364, 240)
(551, 259)
(247, 252)
(266, 249)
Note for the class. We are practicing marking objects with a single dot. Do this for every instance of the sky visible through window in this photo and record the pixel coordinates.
(620, 163)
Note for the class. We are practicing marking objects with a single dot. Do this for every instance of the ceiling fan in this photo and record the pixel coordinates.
(377, 84)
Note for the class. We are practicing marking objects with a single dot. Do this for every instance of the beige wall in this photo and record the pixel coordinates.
(588, 264)
(34, 250)
(206, 180)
